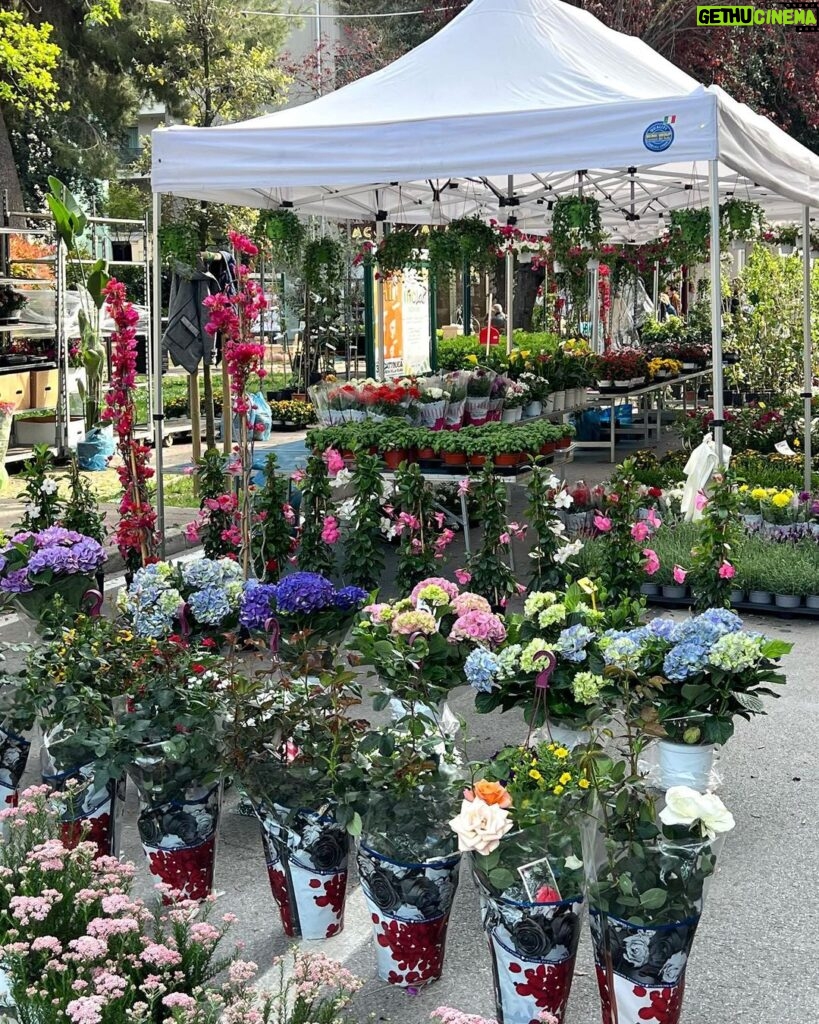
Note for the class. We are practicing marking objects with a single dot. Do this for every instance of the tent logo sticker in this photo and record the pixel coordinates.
(659, 135)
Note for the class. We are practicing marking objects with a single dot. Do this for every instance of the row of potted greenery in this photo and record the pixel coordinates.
(505, 443)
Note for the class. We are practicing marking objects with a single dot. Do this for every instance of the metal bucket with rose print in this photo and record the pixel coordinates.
(91, 809)
(14, 751)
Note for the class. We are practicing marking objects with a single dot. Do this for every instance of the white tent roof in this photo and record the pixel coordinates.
(531, 88)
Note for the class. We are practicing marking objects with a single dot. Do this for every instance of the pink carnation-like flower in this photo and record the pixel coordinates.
(727, 571)
(602, 523)
(478, 627)
(334, 461)
(447, 586)
(330, 532)
(679, 574)
(469, 602)
(463, 576)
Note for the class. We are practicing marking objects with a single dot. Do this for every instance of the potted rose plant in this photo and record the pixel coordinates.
(518, 823)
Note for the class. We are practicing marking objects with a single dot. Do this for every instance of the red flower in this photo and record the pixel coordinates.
(198, 668)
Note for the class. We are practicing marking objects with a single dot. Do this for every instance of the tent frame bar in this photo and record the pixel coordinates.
(807, 393)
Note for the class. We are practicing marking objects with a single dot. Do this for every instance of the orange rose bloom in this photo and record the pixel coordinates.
(492, 793)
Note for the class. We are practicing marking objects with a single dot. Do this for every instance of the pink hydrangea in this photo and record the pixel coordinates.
(447, 586)
(469, 602)
(478, 627)
(377, 612)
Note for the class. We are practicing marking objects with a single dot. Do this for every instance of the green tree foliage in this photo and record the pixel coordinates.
(27, 62)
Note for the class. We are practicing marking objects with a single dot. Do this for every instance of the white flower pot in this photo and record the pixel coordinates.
(759, 597)
(751, 519)
(683, 764)
(622, 385)
(604, 383)
(559, 401)
(549, 403)
(787, 600)
(533, 409)
(812, 601)
(560, 732)
(511, 415)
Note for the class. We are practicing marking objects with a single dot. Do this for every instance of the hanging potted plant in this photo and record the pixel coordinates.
(285, 233)
(396, 252)
(740, 220)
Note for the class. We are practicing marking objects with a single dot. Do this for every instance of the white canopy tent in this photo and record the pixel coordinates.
(501, 109)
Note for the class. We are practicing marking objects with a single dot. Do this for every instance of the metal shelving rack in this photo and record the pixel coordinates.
(99, 235)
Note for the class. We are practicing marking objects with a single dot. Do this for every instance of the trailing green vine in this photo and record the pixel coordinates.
(396, 252)
(541, 516)
(272, 537)
(689, 236)
(467, 240)
(576, 223)
(285, 232)
(323, 265)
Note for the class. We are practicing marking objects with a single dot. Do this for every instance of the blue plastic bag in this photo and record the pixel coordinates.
(94, 452)
(259, 418)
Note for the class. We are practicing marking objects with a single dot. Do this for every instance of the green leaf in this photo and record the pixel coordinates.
(776, 649)
(355, 826)
(653, 899)
(501, 878)
(750, 702)
(96, 281)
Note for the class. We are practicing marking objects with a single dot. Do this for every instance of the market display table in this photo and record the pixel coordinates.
(449, 474)
(649, 398)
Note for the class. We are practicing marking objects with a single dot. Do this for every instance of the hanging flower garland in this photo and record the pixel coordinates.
(136, 531)
(233, 317)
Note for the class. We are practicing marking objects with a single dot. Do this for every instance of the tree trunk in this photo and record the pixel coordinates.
(9, 178)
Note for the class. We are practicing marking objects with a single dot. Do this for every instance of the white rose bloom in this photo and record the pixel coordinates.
(685, 806)
(480, 826)
(673, 967)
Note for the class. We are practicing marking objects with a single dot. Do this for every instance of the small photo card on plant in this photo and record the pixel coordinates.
(537, 876)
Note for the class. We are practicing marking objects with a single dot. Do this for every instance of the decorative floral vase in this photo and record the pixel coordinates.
(179, 839)
(88, 807)
(14, 751)
(409, 905)
(533, 948)
(477, 411)
(306, 856)
(685, 764)
(641, 970)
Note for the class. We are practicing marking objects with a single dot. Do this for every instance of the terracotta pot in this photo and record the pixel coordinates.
(453, 458)
(347, 453)
(393, 459)
(548, 448)
(426, 453)
(507, 459)
(564, 442)
(477, 460)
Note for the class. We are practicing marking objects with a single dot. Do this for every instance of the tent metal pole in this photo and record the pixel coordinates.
(807, 394)
(432, 300)
(716, 307)
(379, 311)
(156, 342)
(510, 300)
(466, 296)
(369, 320)
(594, 266)
(655, 290)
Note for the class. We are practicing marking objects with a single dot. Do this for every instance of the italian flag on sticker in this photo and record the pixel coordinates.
(670, 120)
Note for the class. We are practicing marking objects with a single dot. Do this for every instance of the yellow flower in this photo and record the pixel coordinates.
(758, 493)
(534, 774)
(557, 790)
(583, 783)
(126, 635)
(561, 752)
(762, 405)
(743, 488)
(781, 500)
(525, 355)
(564, 778)
(796, 442)
(473, 359)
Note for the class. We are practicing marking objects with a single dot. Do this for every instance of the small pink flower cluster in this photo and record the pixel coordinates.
(478, 627)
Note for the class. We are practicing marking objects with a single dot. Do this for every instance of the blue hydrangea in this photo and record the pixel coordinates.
(662, 629)
(304, 592)
(621, 651)
(481, 669)
(348, 598)
(723, 619)
(573, 641)
(685, 660)
(201, 573)
(209, 606)
(708, 627)
(256, 605)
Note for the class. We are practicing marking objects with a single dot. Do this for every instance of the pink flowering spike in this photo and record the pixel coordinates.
(652, 562)
(679, 574)
(727, 571)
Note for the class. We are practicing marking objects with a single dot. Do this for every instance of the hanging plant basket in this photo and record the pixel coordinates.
(396, 252)
(286, 234)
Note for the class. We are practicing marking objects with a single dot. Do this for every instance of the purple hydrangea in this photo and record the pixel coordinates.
(304, 592)
(54, 551)
(256, 605)
(16, 582)
(57, 535)
(348, 598)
